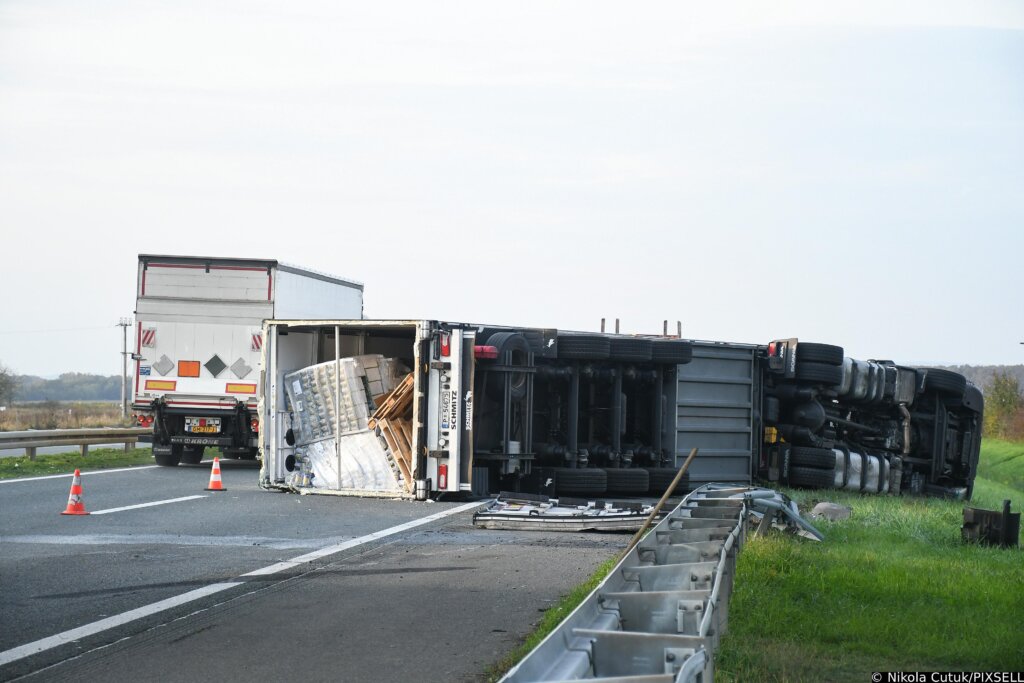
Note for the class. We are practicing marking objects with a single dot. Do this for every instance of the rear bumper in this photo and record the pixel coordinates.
(223, 441)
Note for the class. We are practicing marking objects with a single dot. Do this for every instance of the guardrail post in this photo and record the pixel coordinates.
(31, 453)
(128, 445)
(85, 449)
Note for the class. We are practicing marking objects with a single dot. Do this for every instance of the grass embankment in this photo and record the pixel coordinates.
(892, 588)
(62, 415)
(61, 463)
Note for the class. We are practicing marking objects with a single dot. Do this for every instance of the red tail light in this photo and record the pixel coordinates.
(442, 477)
(255, 425)
(485, 351)
(446, 344)
(773, 349)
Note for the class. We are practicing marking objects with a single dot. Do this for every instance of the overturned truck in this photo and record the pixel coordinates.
(423, 408)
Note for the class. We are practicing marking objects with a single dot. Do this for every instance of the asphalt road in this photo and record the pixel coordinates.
(328, 596)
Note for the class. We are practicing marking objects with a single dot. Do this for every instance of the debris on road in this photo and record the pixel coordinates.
(522, 511)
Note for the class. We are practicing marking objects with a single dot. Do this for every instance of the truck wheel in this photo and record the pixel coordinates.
(661, 478)
(812, 478)
(945, 382)
(819, 353)
(520, 348)
(818, 458)
(819, 373)
(671, 351)
(192, 455)
(628, 481)
(586, 481)
(168, 456)
(584, 347)
(631, 349)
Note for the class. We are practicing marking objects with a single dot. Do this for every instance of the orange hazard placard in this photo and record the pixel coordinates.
(161, 384)
(235, 388)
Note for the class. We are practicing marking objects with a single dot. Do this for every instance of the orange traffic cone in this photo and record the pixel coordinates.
(215, 482)
(75, 504)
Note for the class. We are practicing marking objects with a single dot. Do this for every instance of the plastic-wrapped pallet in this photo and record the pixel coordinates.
(317, 391)
(364, 465)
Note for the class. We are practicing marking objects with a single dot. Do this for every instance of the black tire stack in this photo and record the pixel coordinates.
(628, 481)
(583, 481)
(660, 478)
(812, 467)
(819, 363)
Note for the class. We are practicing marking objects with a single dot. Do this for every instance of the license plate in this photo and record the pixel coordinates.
(202, 425)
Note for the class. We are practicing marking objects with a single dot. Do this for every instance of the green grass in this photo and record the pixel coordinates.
(552, 618)
(892, 588)
(1003, 462)
(61, 463)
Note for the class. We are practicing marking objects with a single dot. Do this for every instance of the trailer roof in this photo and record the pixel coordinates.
(252, 262)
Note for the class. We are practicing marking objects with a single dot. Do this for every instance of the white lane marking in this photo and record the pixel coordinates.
(22, 651)
(144, 505)
(29, 649)
(267, 542)
(337, 548)
(68, 476)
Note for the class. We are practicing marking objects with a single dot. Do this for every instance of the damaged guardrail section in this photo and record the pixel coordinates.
(658, 616)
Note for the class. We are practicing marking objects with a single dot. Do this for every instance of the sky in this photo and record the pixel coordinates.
(850, 173)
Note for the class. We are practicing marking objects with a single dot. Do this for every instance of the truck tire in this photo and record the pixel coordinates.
(629, 349)
(629, 481)
(660, 478)
(168, 456)
(819, 373)
(192, 455)
(945, 382)
(514, 342)
(586, 480)
(809, 352)
(671, 351)
(812, 478)
(584, 347)
(818, 458)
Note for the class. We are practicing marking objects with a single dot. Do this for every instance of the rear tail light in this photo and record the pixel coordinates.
(442, 477)
(255, 425)
(773, 349)
(446, 344)
(485, 351)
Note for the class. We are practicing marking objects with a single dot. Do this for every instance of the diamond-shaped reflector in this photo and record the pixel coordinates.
(215, 365)
(164, 365)
(240, 368)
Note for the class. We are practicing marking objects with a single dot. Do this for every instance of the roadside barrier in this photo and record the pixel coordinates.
(32, 439)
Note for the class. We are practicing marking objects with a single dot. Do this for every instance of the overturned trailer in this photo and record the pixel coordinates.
(422, 408)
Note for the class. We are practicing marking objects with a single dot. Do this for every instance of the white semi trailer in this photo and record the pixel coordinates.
(198, 342)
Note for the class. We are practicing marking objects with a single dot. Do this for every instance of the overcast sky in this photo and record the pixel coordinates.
(755, 170)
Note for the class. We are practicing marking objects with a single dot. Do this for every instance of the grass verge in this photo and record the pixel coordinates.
(61, 463)
(552, 618)
(891, 589)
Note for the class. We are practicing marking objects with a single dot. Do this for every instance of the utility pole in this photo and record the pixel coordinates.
(124, 324)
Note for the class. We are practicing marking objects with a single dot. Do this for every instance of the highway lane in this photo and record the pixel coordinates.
(64, 572)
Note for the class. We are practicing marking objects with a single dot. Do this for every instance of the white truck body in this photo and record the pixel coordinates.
(198, 335)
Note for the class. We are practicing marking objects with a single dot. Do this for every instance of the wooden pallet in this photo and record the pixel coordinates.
(395, 404)
(396, 433)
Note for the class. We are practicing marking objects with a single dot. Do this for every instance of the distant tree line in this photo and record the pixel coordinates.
(70, 386)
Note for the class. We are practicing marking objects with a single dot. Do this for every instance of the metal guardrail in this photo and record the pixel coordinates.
(660, 613)
(83, 438)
